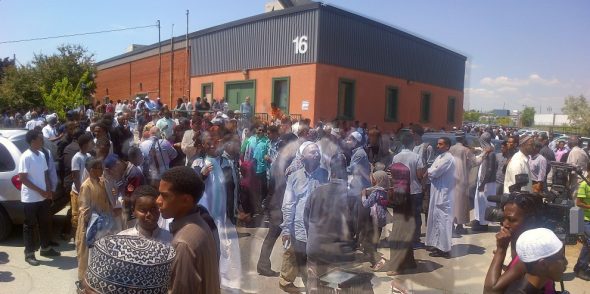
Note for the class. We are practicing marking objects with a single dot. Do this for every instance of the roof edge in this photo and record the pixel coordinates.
(231, 24)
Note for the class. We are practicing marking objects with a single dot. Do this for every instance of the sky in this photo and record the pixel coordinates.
(519, 53)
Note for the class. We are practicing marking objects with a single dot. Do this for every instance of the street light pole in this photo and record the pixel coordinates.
(160, 58)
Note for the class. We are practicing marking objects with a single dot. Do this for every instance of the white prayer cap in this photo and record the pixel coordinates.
(357, 136)
(536, 244)
(303, 146)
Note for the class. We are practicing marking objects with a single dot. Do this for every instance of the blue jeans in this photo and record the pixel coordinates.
(584, 258)
(417, 206)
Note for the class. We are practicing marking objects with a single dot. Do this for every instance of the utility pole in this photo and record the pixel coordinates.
(171, 63)
(188, 61)
(160, 57)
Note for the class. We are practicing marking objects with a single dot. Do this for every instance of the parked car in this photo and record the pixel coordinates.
(12, 145)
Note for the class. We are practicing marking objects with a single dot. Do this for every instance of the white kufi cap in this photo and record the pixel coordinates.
(536, 244)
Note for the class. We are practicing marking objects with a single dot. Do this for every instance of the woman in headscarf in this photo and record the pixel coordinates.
(372, 233)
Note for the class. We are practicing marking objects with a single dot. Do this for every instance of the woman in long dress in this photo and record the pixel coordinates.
(215, 200)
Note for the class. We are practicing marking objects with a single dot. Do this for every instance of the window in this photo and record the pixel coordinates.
(391, 103)
(280, 93)
(346, 99)
(451, 109)
(425, 107)
(207, 91)
(6, 162)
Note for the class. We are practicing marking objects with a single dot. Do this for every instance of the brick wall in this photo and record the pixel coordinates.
(141, 76)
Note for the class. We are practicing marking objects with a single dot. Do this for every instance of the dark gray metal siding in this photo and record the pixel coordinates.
(263, 43)
(352, 41)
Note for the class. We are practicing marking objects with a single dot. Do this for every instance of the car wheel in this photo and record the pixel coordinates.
(5, 224)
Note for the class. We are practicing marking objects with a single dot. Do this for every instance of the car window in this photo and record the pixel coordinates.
(21, 144)
(6, 162)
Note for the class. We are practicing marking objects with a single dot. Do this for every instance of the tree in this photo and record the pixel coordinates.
(504, 121)
(4, 65)
(64, 96)
(18, 88)
(577, 111)
(527, 117)
(26, 86)
(71, 61)
(471, 115)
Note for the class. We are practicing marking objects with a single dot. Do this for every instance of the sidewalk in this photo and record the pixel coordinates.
(464, 273)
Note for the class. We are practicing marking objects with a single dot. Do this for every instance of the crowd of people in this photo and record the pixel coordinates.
(190, 176)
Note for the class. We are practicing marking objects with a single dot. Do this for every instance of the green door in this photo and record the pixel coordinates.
(236, 93)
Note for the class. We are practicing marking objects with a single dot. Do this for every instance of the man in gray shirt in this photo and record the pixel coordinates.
(416, 166)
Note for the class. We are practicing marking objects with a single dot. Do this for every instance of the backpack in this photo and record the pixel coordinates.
(399, 192)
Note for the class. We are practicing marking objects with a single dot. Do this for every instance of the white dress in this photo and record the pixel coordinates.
(439, 228)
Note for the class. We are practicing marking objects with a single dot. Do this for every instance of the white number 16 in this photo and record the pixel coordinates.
(300, 44)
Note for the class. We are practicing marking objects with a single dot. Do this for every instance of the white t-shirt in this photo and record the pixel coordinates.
(79, 164)
(49, 132)
(519, 164)
(34, 165)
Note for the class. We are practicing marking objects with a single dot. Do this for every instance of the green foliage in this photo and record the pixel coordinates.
(527, 117)
(578, 111)
(71, 61)
(18, 89)
(471, 115)
(64, 95)
(27, 86)
(504, 121)
(4, 65)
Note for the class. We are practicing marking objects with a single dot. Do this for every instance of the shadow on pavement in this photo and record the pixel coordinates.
(6, 277)
(3, 257)
(459, 250)
(424, 266)
(61, 262)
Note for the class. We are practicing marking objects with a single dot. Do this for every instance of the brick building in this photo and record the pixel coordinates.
(314, 60)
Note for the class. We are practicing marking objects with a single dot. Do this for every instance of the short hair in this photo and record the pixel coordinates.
(77, 134)
(516, 139)
(145, 191)
(538, 145)
(32, 135)
(84, 139)
(528, 203)
(338, 166)
(273, 129)
(93, 162)
(417, 129)
(446, 140)
(184, 180)
(133, 152)
(407, 140)
(543, 136)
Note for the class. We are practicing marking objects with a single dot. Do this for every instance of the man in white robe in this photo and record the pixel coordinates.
(464, 161)
(439, 227)
(486, 183)
(215, 201)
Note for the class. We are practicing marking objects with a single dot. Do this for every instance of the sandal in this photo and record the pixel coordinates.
(379, 265)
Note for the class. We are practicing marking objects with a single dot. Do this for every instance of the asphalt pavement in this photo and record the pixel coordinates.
(463, 273)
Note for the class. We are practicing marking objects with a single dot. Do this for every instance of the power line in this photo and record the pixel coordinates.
(73, 35)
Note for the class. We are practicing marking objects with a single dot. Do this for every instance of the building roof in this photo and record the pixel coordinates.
(276, 13)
